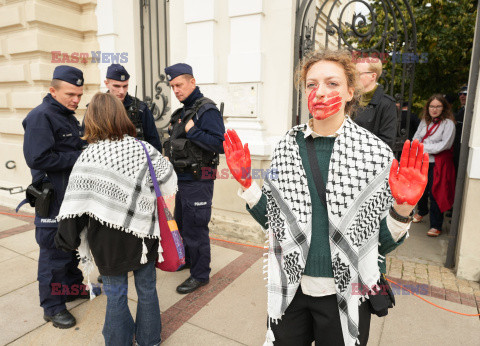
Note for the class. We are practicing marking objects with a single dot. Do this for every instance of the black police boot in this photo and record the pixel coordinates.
(99, 279)
(63, 320)
(81, 295)
(190, 285)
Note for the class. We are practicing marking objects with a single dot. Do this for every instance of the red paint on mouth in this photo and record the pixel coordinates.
(326, 106)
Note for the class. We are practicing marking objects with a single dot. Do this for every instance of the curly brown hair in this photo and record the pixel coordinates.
(446, 112)
(341, 57)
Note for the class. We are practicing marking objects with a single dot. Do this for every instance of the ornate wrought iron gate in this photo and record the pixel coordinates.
(380, 28)
(154, 58)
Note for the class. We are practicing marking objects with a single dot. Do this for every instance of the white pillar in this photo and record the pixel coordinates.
(245, 74)
(468, 256)
(116, 34)
(199, 17)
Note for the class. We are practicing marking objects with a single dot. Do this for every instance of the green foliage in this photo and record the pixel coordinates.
(444, 31)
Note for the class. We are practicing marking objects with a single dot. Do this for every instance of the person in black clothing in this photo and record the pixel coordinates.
(52, 143)
(414, 120)
(196, 137)
(110, 195)
(462, 96)
(377, 112)
(117, 83)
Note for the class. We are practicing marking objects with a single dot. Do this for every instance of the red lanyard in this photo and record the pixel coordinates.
(430, 131)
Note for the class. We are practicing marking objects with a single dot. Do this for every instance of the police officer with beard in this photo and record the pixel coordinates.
(196, 136)
(138, 112)
(52, 144)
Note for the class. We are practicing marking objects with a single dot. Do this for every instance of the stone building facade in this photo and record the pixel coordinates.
(241, 52)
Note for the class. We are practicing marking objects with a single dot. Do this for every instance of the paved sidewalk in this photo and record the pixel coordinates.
(420, 261)
(231, 310)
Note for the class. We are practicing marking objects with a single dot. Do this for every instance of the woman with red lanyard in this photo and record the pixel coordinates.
(437, 132)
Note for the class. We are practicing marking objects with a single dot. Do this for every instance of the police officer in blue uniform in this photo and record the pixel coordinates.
(196, 136)
(51, 146)
(138, 112)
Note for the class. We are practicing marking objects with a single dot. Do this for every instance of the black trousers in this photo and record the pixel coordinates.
(56, 268)
(193, 209)
(309, 319)
(436, 216)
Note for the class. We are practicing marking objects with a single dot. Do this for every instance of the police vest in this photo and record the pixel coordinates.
(186, 156)
(135, 116)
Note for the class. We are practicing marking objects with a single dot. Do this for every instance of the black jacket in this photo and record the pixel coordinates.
(458, 136)
(148, 123)
(207, 131)
(115, 252)
(414, 122)
(381, 109)
(51, 146)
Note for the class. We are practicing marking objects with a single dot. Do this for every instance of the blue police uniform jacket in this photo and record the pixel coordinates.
(51, 146)
(208, 129)
(148, 123)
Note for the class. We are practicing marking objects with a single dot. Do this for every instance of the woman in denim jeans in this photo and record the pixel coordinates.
(109, 211)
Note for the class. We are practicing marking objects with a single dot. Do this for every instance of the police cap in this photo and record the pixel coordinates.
(69, 74)
(177, 70)
(463, 89)
(117, 72)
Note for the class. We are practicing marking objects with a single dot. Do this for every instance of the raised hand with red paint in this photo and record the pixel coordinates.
(324, 107)
(408, 183)
(238, 158)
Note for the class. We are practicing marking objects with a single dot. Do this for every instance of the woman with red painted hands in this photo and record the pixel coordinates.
(336, 205)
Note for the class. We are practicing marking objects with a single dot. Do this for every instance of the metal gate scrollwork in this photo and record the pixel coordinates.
(154, 58)
(376, 28)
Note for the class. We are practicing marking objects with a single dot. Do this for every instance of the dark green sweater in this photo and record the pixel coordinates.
(319, 262)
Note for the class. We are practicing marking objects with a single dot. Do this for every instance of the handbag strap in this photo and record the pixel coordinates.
(315, 168)
(152, 171)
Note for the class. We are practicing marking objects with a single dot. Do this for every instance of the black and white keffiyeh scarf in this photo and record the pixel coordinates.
(111, 183)
(358, 197)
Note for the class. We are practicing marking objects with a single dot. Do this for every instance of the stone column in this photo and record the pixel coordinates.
(245, 77)
(199, 18)
(242, 54)
(36, 36)
(468, 254)
(117, 37)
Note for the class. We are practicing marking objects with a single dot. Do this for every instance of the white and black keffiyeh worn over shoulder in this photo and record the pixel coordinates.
(358, 197)
(111, 183)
